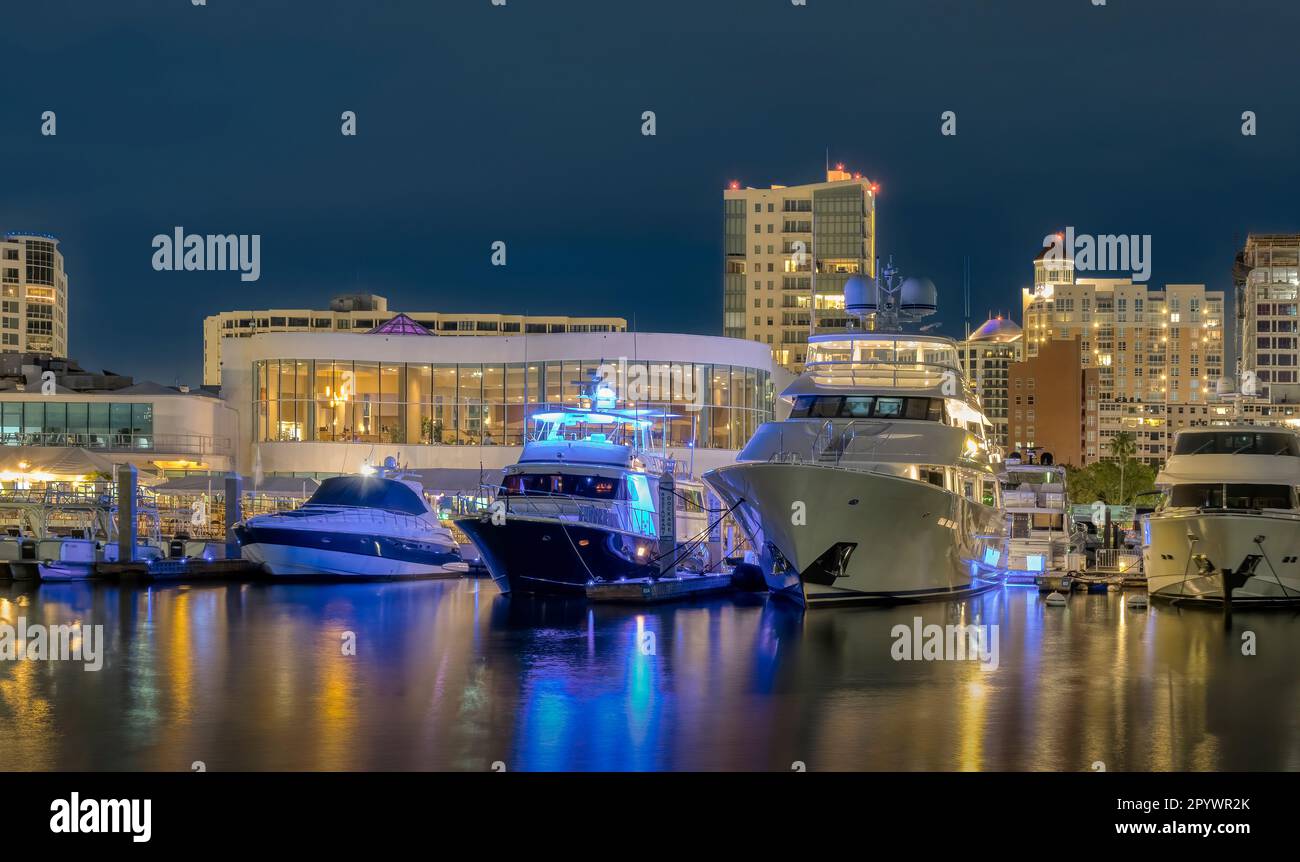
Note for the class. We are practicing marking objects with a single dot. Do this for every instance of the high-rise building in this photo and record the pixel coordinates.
(1053, 403)
(788, 250)
(986, 358)
(364, 311)
(33, 295)
(1151, 347)
(1266, 276)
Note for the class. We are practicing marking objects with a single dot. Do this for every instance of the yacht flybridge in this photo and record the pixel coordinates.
(881, 485)
(590, 502)
(1229, 504)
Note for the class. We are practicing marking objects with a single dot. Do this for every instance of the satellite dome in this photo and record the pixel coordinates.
(919, 296)
(861, 296)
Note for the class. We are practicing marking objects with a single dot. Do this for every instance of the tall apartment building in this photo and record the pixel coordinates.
(1151, 348)
(788, 250)
(1266, 276)
(366, 311)
(986, 357)
(33, 295)
(1054, 406)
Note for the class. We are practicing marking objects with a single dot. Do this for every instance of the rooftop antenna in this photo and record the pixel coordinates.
(965, 281)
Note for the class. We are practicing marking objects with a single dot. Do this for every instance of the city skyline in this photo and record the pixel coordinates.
(614, 222)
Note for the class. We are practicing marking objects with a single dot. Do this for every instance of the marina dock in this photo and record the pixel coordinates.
(647, 591)
(178, 570)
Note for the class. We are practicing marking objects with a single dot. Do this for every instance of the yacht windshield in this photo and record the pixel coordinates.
(1231, 496)
(591, 427)
(564, 484)
(866, 406)
(370, 492)
(1237, 443)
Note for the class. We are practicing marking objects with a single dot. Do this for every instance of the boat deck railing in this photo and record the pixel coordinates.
(356, 515)
(593, 511)
(887, 374)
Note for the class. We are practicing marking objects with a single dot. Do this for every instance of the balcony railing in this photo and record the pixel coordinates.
(179, 444)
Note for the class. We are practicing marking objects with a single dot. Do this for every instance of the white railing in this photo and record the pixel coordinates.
(885, 374)
(1116, 559)
(188, 444)
(613, 514)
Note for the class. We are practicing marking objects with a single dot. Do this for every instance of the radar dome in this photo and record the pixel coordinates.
(861, 296)
(919, 296)
(1223, 386)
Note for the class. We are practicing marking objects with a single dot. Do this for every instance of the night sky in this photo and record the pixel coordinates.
(479, 123)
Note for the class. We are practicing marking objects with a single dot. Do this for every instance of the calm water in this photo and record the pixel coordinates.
(450, 675)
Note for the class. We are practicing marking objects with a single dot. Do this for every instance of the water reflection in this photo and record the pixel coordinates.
(451, 675)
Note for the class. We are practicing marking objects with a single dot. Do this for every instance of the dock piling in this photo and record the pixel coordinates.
(234, 512)
(128, 481)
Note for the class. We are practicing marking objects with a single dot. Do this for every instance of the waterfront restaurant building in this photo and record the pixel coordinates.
(317, 404)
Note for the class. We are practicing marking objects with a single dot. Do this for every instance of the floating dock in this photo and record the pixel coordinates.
(649, 591)
(183, 569)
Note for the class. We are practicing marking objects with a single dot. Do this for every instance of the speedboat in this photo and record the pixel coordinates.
(1229, 508)
(880, 486)
(589, 502)
(376, 526)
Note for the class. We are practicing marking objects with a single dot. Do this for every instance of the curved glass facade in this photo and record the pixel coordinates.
(487, 404)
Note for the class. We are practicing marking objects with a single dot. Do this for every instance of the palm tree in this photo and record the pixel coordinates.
(1122, 448)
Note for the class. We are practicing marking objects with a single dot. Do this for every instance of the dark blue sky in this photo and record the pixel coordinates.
(522, 123)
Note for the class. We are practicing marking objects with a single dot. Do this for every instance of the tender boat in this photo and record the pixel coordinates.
(377, 526)
(1229, 504)
(881, 484)
(585, 504)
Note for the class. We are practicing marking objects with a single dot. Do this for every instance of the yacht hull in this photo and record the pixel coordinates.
(552, 557)
(314, 553)
(829, 536)
(1226, 539)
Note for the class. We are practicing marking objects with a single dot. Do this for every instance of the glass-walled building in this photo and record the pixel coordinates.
(486, 404)
(326, 403)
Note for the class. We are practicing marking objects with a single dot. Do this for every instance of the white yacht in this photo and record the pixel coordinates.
(881, 484)
(1229, 503)
(377, 526)
(587, 503)
(1038, 518)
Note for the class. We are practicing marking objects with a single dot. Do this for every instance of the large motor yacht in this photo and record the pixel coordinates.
(587, 503)
(377, 526)
(881, 484)
(1229, 504)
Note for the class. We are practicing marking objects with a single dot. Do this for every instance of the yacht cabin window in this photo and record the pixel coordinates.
(597, 487)
(933, 475)
(867, 407)
(1232, 496)
(1237, 443)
